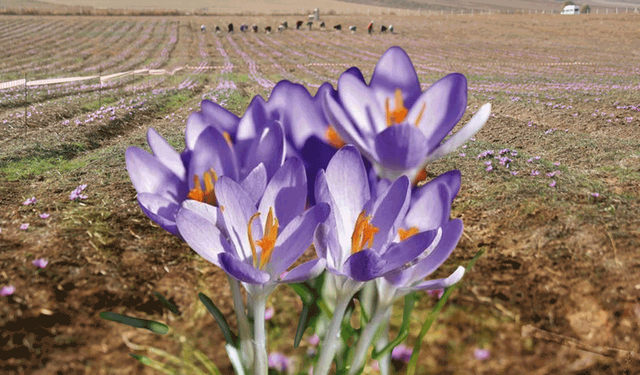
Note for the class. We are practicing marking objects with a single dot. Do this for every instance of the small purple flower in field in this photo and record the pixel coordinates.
(537, 157)
(44, 215)
(481, 354)
(487, 162)
(488, 169)
(530, 161)
(595, 195)
(7, 290)
(530, 123)
(402, 353)
(462, 154)
(314, 340)
(464, 146)
(556, 163)
(30, 201)
(553, 183)
(535, 172)
(268, 313)
(551, 174)
(40, 263)
(76, 193)
(472, 139)
(514, 173)
(504, 151)
(278, 361)
(24, 226)
(436, 293)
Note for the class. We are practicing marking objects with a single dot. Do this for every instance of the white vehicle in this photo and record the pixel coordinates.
(571, 9)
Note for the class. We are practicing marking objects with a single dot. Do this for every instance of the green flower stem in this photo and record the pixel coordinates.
(385, 361)
(244, 328)
(332, 337)
(261, 364)
(362, 346)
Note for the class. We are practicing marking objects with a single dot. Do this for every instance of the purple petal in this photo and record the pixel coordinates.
(242, 271)
(267, 148)
(253, 120)
(201, 234)
(390, 210)
(7, 290)
(316, 155)
(255, 182)
(454, 278)
(161, 210)
(400, 147)
(444, 104)
(364, 265)
(430, 208)
(343, 125)
(149, 175)
(286, 193)
(361, 105)
(211, 115)
(212, 151)
(305, 271)
(399, 254)
(395, 71)
(237, 208)
(296, 238)
(327, 246)
(166, 154)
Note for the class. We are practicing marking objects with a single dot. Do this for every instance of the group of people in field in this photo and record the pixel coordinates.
(285, 25)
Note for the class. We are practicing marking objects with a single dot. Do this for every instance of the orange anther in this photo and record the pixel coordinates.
(333, 137)
(404, 234)
(363, 233)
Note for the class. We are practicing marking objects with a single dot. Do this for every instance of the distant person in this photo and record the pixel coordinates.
(370, 27)
(244, 28)
(299, 25)
(391, 29)
(322, 27)
(267, 30)
(383, 29)
(285, 24)
(218, 31)
(230, 28)
(337, 27)
(309, 24)
(254, 28)
(203, 28)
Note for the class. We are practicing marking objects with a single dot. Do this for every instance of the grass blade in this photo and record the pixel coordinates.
(154, 364)
(229, 336)
(170, 306)
(151, 325)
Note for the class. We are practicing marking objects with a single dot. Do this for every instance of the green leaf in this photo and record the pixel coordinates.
(170, 306)
(229, 336)
(302, 325)
(403, 332)
(154, 364)
(411, 370)
(305, 294)
(206, 362)
(151, 325)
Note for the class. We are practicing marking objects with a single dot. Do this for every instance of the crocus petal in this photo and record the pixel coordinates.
(343, 125)
(286, 193)
(451, 234)
(212, 151)
(431, 208)
(161, 210)
(237, 208)
(389, 210)
(462, 136)
(444, 104)
(327, 246)
(149, 175)
(242, 271)
(253, 120)
(361, 105)
(267, 148)
(347, 182)
(201, 234)
(453, 279)
(364, 265)
(401, 253)
(255, 183)
(400, 147)
(316, 154)
(166, 154)
(395, 71)
(305, 271)
(296, 238)
(209, 212)
(210, 115)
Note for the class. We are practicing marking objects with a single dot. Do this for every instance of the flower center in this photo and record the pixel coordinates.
(399, 113)
(421, 176)
(363, 233)
(333, 137)
(208, 195)
(404, 234)
(268, 241)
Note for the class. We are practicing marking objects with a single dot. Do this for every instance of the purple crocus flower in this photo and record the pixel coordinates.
(7, 290)
(257, 243)
(278, 361)
(40, 262)
(167, 178)
(358, 239)
(402, 353)
(481, 354)
(30, 201)
(393, 123)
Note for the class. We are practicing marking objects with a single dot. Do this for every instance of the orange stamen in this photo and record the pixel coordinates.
(333, 137)
(404, 234)
(398, 114)
(421, 176)
(208, 195)
(251, 242)
(268, 241)
(424, 106)
(363, 233)
(227, 137)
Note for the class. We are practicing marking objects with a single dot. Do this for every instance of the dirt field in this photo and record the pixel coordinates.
(558, 291)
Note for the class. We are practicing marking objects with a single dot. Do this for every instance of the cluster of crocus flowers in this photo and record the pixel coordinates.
(250, 194)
